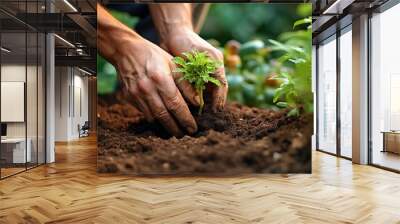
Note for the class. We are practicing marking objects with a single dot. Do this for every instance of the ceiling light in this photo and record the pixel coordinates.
(5, 50)
(84, 71)
(337, 7)
(333, 6)
(65, 41)
(79, 51)
(70, 5)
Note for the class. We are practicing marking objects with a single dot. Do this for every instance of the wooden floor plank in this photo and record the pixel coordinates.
(70, 191)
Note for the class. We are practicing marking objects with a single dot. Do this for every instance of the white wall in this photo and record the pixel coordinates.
(62, 81)
(33, 127)
(12, 73)
(81, 104)
(71, 94)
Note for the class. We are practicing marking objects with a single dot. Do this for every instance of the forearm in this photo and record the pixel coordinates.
(113, 36)
(171, 17)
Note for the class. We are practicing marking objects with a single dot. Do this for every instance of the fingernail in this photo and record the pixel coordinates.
(197, 99)
(192, 130)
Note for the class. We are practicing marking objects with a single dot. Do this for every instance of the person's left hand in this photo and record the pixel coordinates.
(186, 40)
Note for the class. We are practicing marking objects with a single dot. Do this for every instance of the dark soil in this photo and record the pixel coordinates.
(234, 141)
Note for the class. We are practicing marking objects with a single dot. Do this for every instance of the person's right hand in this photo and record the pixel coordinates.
(146, 72)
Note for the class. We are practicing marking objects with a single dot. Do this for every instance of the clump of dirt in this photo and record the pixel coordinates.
(237, 140)
(116, 112)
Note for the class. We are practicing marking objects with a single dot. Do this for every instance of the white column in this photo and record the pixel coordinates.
(50, 98)
(360, 90)
(50, 92)
(62, 103)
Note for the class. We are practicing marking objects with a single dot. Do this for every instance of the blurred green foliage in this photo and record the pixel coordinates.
(107, 80)
(294, 69)
(267, 53)
(247, 21)
(273, 73)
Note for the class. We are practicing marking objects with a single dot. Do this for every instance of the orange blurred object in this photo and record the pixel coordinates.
(232, 61)
(233, 47)
(271, 81)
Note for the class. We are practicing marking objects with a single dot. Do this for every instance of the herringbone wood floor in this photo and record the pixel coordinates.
(70, 191)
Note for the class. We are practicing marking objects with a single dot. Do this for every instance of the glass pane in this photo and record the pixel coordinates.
(14, 151)
(32, 88)
(386, 89)
(22, 80)
(31, 97)
(327, 96)
(346, 94)
(41, 98)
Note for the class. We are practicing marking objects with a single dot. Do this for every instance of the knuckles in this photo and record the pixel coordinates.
(174, 103)
(143, 87)
(134, 91)
(161, 114)
(157, 77)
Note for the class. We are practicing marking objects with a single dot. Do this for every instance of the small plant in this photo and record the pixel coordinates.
(197, 67)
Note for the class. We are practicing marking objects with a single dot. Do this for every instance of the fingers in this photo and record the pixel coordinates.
(142, 106)
(149, 93)
(158, 98)
(177, 106)
(131, 88)
(186, 88)
(219, 93)
(174, 101)
(161, 113)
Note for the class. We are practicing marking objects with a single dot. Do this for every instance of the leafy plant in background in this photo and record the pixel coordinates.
(273, 73)
(255, 21)
(107, 80)
(196, 68)
(247, 71)
(293, 69)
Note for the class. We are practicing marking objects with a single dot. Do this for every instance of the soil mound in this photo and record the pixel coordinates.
(237, 140)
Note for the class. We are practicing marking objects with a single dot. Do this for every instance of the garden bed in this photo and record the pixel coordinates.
(237, 140)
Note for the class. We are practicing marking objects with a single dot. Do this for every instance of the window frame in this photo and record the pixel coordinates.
(339, 32)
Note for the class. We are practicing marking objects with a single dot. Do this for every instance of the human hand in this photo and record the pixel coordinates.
(183, 40)
(146, 72)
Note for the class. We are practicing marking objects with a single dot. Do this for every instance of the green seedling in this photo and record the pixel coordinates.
(197, 67)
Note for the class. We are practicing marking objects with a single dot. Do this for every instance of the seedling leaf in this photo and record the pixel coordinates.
(196, 67)
(294, 112)
(282, 104)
